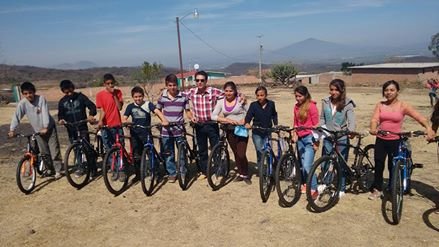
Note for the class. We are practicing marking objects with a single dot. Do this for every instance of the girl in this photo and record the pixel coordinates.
(338, 114)
(234, 111)
(263, 113)
(389, 115)
(305, 115)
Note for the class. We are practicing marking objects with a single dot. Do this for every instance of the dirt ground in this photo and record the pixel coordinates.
(56, 214)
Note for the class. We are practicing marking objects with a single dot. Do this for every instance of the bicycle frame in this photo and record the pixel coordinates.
(404, 155)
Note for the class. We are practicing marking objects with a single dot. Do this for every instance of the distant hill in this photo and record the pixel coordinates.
(16, 74)
(318, 51)
(77, 65)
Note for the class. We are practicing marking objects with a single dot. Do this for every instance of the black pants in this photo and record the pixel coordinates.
(383, 148)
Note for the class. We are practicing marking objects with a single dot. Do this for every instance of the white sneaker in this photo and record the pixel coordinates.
(341, 194)
(321, 188)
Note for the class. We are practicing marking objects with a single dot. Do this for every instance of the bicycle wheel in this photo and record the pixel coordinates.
(265, 175)
(397, 192)
(26, 175)
(76, 165)
(113, 178)
(367, 168)
(147, 171)
(327, 172)
(288, 180)
(218, 166)
(182, 165)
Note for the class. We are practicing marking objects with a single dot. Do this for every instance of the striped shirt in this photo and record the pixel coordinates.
(173, 110)
(204, 103)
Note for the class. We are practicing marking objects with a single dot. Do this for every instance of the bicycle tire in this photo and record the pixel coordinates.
(40, 165)
(26, 171)
(367, 172)
(288, 180)
(182, 165)
(147, 172)
(327, 172)
(265, 178)
(218, 166)
(397, 192)
(76, 169)
(110, 166)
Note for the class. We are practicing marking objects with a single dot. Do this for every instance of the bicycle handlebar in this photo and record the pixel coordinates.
(415, 133)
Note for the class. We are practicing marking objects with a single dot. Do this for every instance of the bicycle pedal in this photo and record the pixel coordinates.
(418, 165)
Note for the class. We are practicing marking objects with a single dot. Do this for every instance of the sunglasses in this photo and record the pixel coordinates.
(200, 80)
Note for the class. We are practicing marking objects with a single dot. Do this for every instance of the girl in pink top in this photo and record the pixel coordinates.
(389, 115)
(305, 115)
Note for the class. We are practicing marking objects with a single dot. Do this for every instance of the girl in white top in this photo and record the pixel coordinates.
(233, 113)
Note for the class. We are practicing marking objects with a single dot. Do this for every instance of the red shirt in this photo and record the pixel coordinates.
(105, 101)
(312, 119)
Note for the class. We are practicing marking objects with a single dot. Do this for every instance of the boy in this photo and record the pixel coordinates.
(172, 103)
(109, 101)
(140, 113)
(72, 108)
(35, 108)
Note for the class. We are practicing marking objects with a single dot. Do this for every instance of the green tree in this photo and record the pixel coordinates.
(147, 75)
(434, 45)
(345, 67)
(282, 73)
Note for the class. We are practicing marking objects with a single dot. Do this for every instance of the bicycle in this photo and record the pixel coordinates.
(327, 169)
(116, 160)
(79, 154)
(268, 162)
(148, 166)
(32, 163)
(400, 180)
(288, 175)
(186, 156)
(218, 165)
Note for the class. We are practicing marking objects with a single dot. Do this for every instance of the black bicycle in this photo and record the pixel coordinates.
(218, 165)
(187, 158)
(80, 156)
(288, 175)
(328, 168)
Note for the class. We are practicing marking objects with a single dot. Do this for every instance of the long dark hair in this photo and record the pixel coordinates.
(340, 85)
(232, 85)
(304, 107)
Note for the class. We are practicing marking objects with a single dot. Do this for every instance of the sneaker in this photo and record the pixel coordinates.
(376, 194)
(79, 173)
(321, 188)
(238, 179)
(114, 176)
(341, 194)
(172, 179)
(314, 194)
(58, 175)
(122, 177)
(303, 188)
(247, 181)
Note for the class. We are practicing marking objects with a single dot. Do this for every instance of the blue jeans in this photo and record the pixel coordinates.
(306, 153)
(109, 137)
(168, 153)
(259, 141)
(205, 132)
(343, 148)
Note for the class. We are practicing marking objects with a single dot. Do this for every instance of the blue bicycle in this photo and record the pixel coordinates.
(400, 179)
(269, 160)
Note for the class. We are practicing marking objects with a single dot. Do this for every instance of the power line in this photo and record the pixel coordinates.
(209, 45)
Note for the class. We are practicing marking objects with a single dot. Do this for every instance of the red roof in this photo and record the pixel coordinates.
(186, 74)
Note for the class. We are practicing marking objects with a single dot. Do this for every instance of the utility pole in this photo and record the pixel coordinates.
(260, 58)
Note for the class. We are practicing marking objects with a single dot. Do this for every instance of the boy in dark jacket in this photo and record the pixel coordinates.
(72, 108)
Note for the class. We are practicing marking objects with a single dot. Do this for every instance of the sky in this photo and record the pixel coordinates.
(47, 33)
